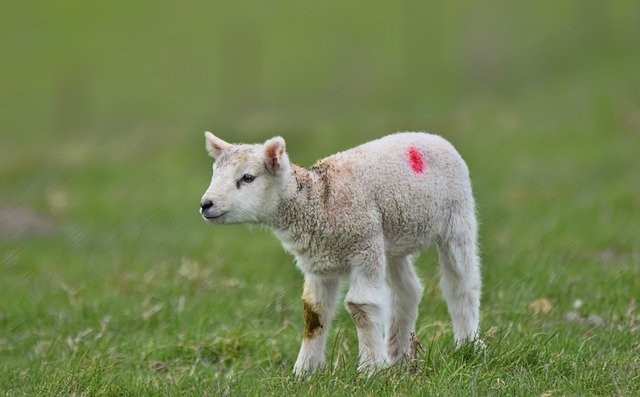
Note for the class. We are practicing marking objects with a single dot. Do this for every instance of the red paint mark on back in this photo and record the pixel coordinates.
(415, 160)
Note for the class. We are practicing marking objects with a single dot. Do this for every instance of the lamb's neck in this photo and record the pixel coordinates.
(298, 207)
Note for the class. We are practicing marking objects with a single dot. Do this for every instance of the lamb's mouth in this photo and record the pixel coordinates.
(214, 218)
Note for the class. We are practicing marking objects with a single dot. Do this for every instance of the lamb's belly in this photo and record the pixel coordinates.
(407, 245)
(321, 266)
(406, 236)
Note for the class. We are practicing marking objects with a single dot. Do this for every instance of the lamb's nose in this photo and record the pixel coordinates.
(206, 204)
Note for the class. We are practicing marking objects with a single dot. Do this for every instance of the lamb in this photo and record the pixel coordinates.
(360, 215)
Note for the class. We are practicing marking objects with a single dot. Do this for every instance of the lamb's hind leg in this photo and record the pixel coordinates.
(406, 292)
(460, 277)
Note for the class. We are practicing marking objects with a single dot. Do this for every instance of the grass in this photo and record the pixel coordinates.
(103, 110)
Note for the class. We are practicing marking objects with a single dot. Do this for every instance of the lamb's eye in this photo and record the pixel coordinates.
(248, 178)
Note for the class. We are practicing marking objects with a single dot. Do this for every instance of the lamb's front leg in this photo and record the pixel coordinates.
(367, 302)
(318, 301)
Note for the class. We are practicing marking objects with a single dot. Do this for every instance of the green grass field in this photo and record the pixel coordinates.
(122, 289)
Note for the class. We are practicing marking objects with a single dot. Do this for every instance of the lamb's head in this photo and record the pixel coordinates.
(247, 182)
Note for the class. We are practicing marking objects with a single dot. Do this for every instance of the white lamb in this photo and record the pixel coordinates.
(359, 214)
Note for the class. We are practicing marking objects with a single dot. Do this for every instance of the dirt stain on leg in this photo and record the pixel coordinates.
(312, 324)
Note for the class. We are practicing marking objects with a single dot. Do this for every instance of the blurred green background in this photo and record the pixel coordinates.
(108, 271)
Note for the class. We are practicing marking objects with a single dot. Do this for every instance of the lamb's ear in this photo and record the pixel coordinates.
(275, 154)
(215, 146)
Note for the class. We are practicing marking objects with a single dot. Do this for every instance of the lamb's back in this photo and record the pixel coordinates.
(409, 181)
(403, 161)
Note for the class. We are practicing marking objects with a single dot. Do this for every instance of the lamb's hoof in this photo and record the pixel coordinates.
(305, 371)
(475, 346)
(399, 356)
(370, 368)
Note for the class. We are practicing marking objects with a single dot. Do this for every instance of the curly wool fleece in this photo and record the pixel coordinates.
(360, 214)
